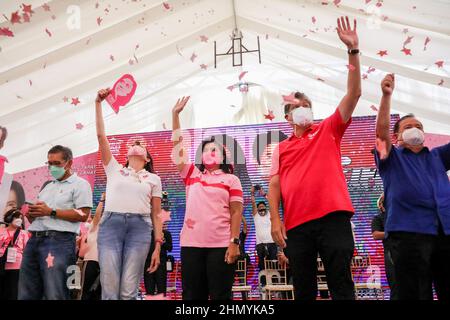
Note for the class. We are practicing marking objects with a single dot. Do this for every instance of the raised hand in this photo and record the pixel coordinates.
(348, 36)
(102, 94)
(179, 106)
(388, 84)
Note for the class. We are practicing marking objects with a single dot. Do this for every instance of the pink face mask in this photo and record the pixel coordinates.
(137, 151)
(210, 159)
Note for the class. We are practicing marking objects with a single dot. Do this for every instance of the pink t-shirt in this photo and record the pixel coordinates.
(19, 245)
(207, 221)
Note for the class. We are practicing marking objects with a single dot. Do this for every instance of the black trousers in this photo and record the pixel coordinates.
(9, 285)
(205, 274)
(419, 260)
(91, 284)
(268, 251)
(156, 281)
(332, 238)
(390, 272)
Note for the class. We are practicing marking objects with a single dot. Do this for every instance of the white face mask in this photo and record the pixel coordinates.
(413, 136)
(17, 222)
(302, 116)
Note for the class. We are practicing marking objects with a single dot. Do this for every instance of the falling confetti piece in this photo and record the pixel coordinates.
(166, 5)
(441, 82)
(364, 76)
(27, 9)
(336, 2)
(382, 53)
(379, 4)
(193, 57)
(371, 69)
(439, 64)
(75, 101)
(405, 30)
(320, 79)
(313, 19)
(46, 7)
(111, 57)
(427, 40)
(408, 40)
(374, 108)
(131, 62)
(49, 260)
(231, 88)
(351, 67)
(164, 216)
(270, 116)
(203, 38)
(26, 17)
(30, 82)
(204, 66)
(79, 126)
(6, 32)
(99, 20)
(15, 17)
(48, 32)
(65, 99)
(406, 51)
(242, 75)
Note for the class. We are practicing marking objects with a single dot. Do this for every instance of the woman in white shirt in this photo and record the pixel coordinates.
(132, 208)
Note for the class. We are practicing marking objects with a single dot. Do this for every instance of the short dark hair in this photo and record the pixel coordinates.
(300, 96)
(11, 214)
(226, 165)
(264, 139)
(261, 202)
(4, 136)
(397, 124)
(20, 193)
(66, 152)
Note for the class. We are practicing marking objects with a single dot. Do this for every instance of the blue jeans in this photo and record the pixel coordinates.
(38, 279)
(123, 243)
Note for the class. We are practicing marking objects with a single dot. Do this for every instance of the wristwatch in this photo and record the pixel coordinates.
(53, 214)
(235, 241)
(353, 51)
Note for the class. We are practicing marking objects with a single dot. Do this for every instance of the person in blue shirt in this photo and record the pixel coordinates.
(55, 222)
(417, 201)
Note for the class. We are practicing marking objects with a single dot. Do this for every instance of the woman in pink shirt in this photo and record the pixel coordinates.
(210, 236)
(13, 240)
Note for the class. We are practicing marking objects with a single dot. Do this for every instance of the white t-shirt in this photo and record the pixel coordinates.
(128, 191)
(263, 228)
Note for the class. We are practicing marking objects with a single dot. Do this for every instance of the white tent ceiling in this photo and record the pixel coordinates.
(300, 51)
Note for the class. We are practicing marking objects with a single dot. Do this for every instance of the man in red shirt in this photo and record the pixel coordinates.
(307, 176)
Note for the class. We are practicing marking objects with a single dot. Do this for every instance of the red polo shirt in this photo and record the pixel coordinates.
(311, 178)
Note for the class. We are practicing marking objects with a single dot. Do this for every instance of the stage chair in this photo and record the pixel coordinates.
(276, 281)
(240, 279)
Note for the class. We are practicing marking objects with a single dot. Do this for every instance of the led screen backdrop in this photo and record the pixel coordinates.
(251, 148)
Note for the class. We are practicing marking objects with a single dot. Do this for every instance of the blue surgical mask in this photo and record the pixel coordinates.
(57, 172)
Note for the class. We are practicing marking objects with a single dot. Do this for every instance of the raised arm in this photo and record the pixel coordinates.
(176, 133)
(252, 197)
(383, 142)
(350, 38)
(100, 125)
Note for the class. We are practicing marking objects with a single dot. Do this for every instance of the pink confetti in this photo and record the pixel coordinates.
(30, 82)
(48, 32)
(203, 38)
(406, 51)
(204, 66)
(439, 64)
(408, 40)
(270, 116)
(6, 32)
(351, 67)
(364, 76)
(131, 62)
(111, 57)
(164, 216)
(26, 17)
(374, 108)
(15, 17)
(46, 7)
(379, 4)
(313, 19)
(371, 69)
(75, 101)
(79, 126)
(49, 260)
(99, 20)
(231, 88)
(242, 75)
(382, 53)
(427, 40)
(193, 57)
(441, 82)
(65, 99)
(367, 1)
(336, 2)
(166, 5)
(320, 79)
(405, 30)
